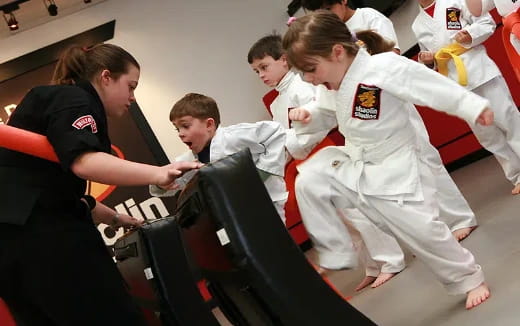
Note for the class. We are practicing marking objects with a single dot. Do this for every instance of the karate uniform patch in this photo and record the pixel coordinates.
(367, 102)
(85, 121)
(453, 19)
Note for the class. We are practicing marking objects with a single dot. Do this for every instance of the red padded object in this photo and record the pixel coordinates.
(512, 25)
(27, 142)
(5, 316)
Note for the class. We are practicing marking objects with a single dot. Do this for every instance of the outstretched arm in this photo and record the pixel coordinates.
(108, 169)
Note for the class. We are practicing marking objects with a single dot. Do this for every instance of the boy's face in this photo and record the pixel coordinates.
(195, 133)
(269, 70)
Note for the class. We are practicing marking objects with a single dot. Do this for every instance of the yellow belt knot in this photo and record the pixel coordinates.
(452, 52)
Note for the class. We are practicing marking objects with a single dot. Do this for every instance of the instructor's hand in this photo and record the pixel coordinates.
(174, 170)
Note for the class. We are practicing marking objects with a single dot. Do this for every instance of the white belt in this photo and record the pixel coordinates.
(375, 153)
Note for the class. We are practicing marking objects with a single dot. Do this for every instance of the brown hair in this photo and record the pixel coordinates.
(316, 33)
(270, 45)
(84, 63)
(198, 106)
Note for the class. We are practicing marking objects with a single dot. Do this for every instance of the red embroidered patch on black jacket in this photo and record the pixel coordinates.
(453, 19)
(367, 102)
(85, 121)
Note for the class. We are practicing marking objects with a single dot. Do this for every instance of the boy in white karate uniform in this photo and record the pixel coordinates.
(380, 171)
(451, 39)
(330, 238)
(196, 118)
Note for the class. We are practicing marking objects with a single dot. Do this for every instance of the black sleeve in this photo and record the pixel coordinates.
(72, 125)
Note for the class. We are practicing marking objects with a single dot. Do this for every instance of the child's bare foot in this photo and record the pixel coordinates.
(477, 296)
(461, 234)
(382, 278)
(322, 270)
(365, 282)
(516, 190)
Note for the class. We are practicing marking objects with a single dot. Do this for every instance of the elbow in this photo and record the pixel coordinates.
(80, 167)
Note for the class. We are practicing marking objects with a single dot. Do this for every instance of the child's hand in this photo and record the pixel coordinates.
(300, 114)
(426, 57)
(463, 37)
(486, 117)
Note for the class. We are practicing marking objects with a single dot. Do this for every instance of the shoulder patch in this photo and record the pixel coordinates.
(453, 19)
(85, 121)
(367, 102)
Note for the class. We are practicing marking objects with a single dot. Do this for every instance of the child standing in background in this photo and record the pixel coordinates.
(451, 38)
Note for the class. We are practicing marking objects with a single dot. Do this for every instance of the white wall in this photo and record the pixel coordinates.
(182, 46)
(402, 19)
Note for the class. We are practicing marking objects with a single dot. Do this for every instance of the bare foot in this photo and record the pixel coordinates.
(382, 278)
(322, 270)
(366, 282)
(477, 296)
(516, 190)
(461, 234)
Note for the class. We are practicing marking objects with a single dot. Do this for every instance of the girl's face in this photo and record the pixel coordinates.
(195, 133)
(328, 71)
(118, 94)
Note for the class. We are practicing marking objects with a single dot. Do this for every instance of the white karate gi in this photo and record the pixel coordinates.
(504, 8)
(383, 254)
(484, 77)
(380, 171)
(371, 19)
(266, 141)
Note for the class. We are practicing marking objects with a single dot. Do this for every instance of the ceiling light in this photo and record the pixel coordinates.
(51, 7)
(11, 21)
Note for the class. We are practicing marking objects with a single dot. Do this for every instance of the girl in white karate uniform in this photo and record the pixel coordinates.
(451, 28)
(454, 209)
(331, 239)
(380, 172)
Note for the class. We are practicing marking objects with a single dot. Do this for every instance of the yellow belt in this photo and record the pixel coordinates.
(452, 51)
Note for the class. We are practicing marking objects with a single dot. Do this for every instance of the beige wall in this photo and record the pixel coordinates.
(182, 46)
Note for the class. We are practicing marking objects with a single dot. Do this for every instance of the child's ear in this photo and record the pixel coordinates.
(337, 52)
(283, 57)
(210, 123)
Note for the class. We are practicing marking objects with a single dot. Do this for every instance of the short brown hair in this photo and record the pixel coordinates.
(270, 45)
(198, 106)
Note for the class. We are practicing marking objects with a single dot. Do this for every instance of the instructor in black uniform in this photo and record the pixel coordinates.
(54, 266)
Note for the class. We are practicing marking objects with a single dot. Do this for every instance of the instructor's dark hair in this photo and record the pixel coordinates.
(78, 62)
